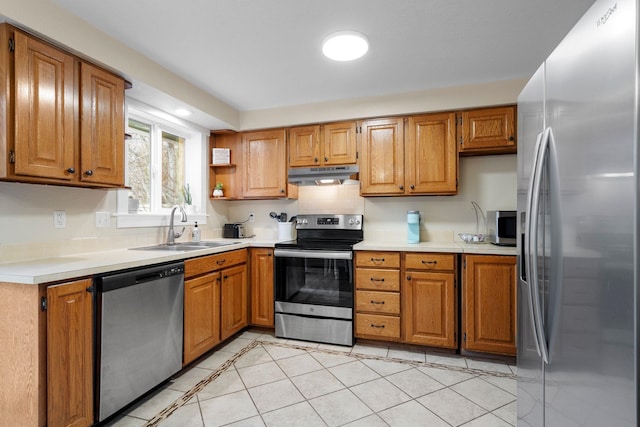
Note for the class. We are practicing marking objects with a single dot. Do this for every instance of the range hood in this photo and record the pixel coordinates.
(325, 175)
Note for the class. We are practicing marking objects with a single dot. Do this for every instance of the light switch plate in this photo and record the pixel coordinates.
(103, 219)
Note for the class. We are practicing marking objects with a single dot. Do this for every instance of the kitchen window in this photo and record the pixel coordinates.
(163, 159)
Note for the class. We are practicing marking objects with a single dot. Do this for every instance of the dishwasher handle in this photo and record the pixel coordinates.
(124, 279)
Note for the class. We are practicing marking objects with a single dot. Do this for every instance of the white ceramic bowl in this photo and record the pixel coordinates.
(471, 238)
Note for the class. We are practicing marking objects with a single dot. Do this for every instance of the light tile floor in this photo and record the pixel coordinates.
(259, 380)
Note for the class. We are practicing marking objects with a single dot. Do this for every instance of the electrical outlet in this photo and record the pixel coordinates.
(59, 219)
(251, 217)
(103, 219)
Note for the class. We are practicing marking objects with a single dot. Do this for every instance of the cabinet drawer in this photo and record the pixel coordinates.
(196, 266)
(429, 261)
(373, 325)
(378, 302)
(378, 280)
(378, 259)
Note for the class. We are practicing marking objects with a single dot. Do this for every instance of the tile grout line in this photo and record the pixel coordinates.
(188, 395)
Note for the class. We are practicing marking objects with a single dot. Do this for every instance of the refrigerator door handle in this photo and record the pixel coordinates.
(526, 280)
(542, 159)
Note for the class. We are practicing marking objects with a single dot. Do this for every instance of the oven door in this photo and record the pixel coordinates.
(314, 282)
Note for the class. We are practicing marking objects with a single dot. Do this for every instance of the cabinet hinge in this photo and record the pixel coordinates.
(460, 121)
(460, 140)
(464, 263)
(12, 156)
(43, 304)
(464, 337)
(357, 155)
(12, 45)
(358, 129)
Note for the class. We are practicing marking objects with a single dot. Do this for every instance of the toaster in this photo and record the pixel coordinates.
(233, 231)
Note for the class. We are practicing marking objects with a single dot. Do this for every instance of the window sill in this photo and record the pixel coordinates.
(125, 220)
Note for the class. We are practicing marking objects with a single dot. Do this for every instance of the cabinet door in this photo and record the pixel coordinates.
(489, 304)
(382, 162)
(201, 315)
(488, 131)
(304, 146)
(234, 301)
(429, 309)
(265, 172)
(431, 154)
(262, 287)
(101, 126)
(44, 110)
(339, 143)
(70, 354)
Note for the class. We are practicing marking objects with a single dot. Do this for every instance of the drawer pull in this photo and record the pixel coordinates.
(221, 261)
(377, 259)
(377, 302)
(373, 279)
(377, 326)
(429, 262)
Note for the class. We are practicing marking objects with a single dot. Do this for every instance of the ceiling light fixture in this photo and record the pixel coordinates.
(345, 45)
(182, 112)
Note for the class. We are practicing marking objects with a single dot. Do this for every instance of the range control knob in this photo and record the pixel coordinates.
(354, 221)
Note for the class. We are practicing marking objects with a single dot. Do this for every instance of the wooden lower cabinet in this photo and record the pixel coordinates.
(70, 354)
(201, 315)
(262, 297)
(377, 299)
(489, 304)
(429, 307)
(234, 300)
(215, 300)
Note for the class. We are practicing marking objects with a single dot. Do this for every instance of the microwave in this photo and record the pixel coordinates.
(501, 227)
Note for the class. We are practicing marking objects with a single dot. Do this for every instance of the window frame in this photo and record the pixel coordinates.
(196, 145)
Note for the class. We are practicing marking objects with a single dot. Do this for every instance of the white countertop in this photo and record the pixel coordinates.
(46, 270)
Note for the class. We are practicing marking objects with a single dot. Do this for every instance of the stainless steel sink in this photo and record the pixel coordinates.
(182, 247)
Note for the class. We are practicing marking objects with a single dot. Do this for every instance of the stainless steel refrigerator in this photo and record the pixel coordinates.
(578, 227)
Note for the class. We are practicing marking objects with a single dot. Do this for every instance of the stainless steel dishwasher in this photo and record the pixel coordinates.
(139, 317)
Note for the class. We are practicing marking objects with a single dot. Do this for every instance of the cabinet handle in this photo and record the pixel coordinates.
(89, 172)
(225, 277)
(408, 277)
(377, 302)
(511, 138)
(429, 262)
(221, 261)
(377, 326)
(413, 186)
(269, 254)
(315, 159)
(373, 279)
(71, 170)
(219, 279)
(377, 259)
(326, 159)
(282, 190)
(402, 187)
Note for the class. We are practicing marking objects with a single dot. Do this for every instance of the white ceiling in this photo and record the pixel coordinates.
(260, 54)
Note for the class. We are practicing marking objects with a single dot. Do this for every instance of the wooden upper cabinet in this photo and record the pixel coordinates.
(44, 110)
(339, 143)
(489, 304)
(70, 354)
(382, 160)
(265, 171)
(64, 119)
(487, 131)
(431, 154)
(304, 146)
(323, 145)
(101, 126)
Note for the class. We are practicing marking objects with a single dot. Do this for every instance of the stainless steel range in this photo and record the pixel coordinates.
(314, 283)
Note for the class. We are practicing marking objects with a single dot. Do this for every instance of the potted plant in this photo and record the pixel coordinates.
(188, 200)
(217, 192)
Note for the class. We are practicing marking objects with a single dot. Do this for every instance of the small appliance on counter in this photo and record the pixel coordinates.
(233, 231)
(501, 227)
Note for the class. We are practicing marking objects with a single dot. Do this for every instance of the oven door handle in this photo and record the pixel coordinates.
(293, 253)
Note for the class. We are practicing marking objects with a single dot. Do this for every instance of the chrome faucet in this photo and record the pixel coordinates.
(172, 236)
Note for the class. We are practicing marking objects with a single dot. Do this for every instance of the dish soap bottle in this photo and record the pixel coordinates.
(195, 233)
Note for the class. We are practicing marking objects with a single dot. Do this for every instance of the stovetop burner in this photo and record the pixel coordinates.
(326, 232)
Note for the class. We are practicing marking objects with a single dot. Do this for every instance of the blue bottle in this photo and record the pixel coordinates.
(413, 224)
